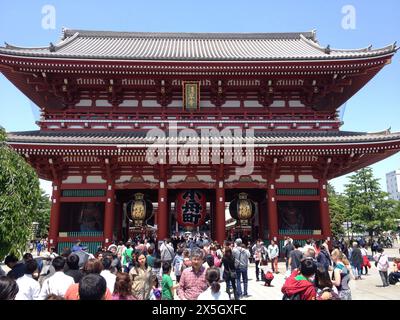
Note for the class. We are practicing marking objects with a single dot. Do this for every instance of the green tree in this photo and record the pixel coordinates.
(19, 199)
(337, 207)
(367, 206)
(42, 215)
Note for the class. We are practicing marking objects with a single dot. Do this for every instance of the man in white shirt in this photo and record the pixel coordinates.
(29, 288)
(58, 283)
(106, 274)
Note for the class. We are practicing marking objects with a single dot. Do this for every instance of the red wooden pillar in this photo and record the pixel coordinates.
(324, 209)
(162, 213)
(109, 214)
(119, 220)
(220, 214)
(55, 214)
(156, 216)
(261, 218)
(213, 213)
(272, 212)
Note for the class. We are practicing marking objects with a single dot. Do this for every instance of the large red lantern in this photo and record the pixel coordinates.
(190, 208)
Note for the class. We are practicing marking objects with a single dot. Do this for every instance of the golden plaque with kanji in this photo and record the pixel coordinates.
(191, 95)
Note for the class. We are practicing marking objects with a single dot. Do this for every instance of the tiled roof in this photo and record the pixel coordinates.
(192, 47)
(127, 138)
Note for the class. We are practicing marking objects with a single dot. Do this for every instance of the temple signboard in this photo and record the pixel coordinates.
(191, 95)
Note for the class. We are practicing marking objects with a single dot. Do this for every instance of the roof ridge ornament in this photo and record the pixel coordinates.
(52, 47)
(328, 49)
(384, 132)
(63, 33)
(314, 34)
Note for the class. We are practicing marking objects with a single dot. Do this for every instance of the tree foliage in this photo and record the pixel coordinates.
(367, 206)
(42, 215)
(337, 211)
(19, 200)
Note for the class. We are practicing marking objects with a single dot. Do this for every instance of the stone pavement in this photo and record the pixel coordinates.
(369, 288)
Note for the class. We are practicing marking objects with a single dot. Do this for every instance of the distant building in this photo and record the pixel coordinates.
(393, 184)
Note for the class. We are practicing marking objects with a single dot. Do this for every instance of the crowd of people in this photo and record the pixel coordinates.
(141, 270)
(314, 272)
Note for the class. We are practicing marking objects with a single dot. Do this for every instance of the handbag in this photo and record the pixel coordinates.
(232, 274)
(376, 262)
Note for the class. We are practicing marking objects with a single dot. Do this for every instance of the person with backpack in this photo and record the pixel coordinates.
(300, 284)
(241, 255)
(167, 251)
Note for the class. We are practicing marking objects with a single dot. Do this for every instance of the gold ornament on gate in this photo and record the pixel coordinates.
(138, 211)
(245, 209)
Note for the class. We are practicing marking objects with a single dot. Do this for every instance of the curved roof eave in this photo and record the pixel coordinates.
(276, 47)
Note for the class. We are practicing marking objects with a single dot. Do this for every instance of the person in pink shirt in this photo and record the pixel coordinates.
(193, 280)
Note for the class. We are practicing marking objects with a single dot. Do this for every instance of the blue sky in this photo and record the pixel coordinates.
(374, 108)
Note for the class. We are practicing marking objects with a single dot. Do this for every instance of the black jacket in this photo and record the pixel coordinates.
(229, 266)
